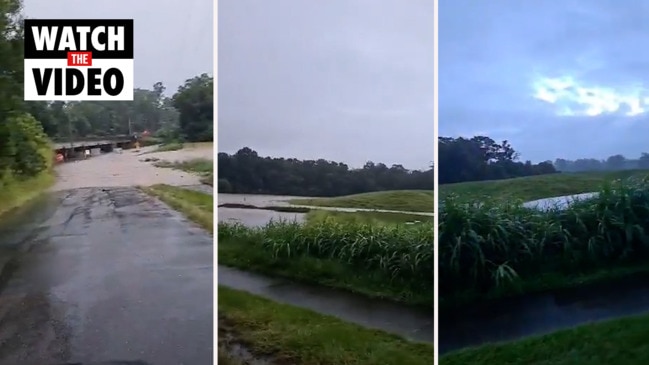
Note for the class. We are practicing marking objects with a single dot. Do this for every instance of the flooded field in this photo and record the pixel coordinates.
(255, 217)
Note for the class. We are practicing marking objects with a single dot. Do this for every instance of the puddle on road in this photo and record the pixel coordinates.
(544, 313)
(410, 323)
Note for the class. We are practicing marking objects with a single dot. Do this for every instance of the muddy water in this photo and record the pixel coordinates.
(256, 217)
(387, 316)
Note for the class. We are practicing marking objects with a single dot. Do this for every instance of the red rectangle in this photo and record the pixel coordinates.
(79, 58)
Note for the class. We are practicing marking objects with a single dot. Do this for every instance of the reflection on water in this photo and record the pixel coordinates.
(256, 217)
(21, 223)
(560, 202)
(544, 313)
(410, 323)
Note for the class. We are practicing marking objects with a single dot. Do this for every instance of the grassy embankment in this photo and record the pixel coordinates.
(285, 334)
(620, 341)
(535, 187)
(401, 200)
(16, 192)
(198, 207)
(496, 250)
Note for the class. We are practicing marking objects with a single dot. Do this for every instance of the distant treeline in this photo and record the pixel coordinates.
(612, 163)
(247, 172)
(481, 158)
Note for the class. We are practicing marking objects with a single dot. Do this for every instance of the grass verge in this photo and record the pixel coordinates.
(291, 335)
(363, 217)
(403, 200)
(621, 341)
(197, 206)
(535, 187)
(15, 193)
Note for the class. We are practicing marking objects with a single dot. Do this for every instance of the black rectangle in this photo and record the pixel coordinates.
(32, 52)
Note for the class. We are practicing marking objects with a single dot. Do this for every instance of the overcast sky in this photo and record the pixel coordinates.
(344, 80)
(174, 41)
(556, 78)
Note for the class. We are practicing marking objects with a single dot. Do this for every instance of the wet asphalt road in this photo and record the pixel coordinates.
(105, 275)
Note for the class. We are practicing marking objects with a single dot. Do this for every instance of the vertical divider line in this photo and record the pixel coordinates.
(215, 149)
(436, 179)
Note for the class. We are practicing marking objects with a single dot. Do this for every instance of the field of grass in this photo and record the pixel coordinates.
(198, 207)
(389, 261)
(290, 335)
(535, 187)
(402, 200)
(363, 217)
(620, 341)
(492, 250)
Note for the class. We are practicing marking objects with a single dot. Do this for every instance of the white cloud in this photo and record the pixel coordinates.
(572, 98)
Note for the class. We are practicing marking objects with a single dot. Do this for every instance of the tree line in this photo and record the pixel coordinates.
(27, 128)
(481, 158)
(612, 163)
(245, 172)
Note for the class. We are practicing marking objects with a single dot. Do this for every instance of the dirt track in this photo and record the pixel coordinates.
(129, 169)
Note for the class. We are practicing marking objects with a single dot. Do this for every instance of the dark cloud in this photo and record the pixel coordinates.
(343, 80)
(491, 54)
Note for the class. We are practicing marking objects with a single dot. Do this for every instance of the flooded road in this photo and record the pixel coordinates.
(407, 322)
(104, 275)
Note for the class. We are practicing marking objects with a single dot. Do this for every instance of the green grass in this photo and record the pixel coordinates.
(535, 187)
(386, 261)
(197, 206)
(15, 193)
(618, 342)
(492, 250)
(402, 200)
(363, 217)
(291, 335)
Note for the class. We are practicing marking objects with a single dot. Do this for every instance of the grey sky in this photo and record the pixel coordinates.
(556, 78)
(174, 41)
(344, 80)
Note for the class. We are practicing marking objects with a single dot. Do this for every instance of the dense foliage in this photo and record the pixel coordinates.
(481, 158)
(400, 253)
(486, 247)
(23, 144)
(247, 172)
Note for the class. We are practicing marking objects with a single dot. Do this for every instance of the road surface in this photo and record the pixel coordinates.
(105, 274)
